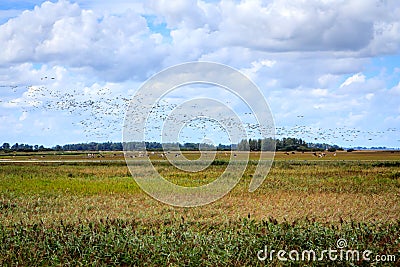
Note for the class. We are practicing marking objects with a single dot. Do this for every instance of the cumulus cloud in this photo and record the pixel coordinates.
(113, 47)
(286, 25)
(312, 58)
(122, 46)
(180, 14)
(348, 28)
(294, 26)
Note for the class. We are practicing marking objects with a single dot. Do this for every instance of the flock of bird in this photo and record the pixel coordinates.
(100, 115)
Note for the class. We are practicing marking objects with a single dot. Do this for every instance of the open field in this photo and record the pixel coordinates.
(361, 155)
(83, 210)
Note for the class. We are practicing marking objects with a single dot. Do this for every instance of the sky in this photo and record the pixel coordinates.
(329, 69)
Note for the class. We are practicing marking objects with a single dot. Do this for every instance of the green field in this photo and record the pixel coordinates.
(69, 209)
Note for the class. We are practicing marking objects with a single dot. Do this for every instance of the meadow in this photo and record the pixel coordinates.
(67, 209)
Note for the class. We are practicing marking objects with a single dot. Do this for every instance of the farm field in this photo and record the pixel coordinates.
(362, 155)
(72, 209)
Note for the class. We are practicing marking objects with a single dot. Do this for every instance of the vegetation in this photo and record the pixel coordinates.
(178, 243)
(93, 212)
(286, 144)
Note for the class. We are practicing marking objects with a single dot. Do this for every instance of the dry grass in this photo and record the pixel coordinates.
(88, 213)
(362, 191)
(321, 207)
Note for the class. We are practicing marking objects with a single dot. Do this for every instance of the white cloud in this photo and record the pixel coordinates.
(311, 58)
(298, 25)
(23, 116)
(369, 96)
(325, 80)
(319, 92)
(356, 78)
(181, 14)
(113, 47)
(256, 66)
(396, 89)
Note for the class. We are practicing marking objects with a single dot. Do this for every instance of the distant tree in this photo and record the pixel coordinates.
(15, 147)
(6, 146)
(302, 148)
(253, 144)
(243, 145)
(268, 144)
(224, 147)
(25, 148)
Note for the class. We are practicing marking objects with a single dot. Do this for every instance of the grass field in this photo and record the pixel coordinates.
(68, 209)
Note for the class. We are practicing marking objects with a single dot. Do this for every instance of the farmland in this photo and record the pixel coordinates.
(67, 208)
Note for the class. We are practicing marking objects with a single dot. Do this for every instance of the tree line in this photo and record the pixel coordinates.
(284, 144)
(267, 144)
(108, 146)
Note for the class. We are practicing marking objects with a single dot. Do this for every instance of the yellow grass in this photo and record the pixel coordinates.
(356, 188)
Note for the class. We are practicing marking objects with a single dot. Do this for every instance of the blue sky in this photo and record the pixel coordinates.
(330, 70)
